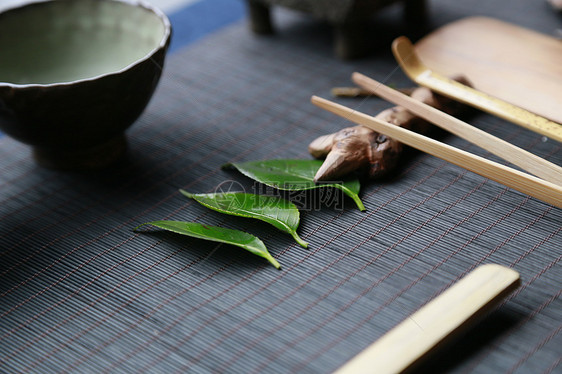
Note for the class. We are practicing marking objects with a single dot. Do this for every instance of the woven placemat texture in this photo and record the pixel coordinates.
(81, 292)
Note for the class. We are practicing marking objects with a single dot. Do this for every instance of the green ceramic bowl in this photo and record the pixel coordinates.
(74, 74)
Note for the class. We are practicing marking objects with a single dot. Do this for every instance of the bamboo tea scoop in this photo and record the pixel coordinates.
(410, 63)
(517, 156)
(434, 324)
(522, 182)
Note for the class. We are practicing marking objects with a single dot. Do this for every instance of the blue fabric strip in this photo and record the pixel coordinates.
(201, 18)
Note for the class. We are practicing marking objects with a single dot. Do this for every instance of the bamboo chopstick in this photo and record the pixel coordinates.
(517, 156)
(435, 323)
(528, 184)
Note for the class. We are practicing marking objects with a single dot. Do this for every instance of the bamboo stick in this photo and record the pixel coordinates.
(447, 315)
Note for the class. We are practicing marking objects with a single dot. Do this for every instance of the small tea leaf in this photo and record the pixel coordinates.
(274, 210)
(294, 175)
(217, 234)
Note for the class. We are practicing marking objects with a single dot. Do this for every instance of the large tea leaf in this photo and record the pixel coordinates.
(294, 175)
(274, 210)
(217, 234)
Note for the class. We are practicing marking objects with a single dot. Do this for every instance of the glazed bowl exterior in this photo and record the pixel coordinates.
(79, 73)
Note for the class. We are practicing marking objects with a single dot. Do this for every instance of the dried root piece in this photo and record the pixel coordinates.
(556, 4)
(360, 92)
(361, 149)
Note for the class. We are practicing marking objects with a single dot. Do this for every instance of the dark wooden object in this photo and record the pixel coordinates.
(348, 17)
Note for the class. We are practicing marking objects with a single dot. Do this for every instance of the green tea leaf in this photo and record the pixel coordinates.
(217, 234)
(274, 210)
(294, 175)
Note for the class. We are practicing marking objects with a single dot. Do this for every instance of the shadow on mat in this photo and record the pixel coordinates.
(474, 342)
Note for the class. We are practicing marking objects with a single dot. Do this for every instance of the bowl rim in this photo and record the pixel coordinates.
(149, 55)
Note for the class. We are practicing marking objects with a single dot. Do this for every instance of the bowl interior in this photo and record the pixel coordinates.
(64, 41)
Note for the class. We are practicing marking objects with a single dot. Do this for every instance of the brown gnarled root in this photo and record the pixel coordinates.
(361, 149)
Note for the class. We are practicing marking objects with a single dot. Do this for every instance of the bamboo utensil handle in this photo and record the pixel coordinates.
(528, 184)
(517, 156)
(436, 322)
(409, 61)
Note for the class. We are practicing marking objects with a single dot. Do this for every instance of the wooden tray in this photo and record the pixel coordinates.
(517, 65)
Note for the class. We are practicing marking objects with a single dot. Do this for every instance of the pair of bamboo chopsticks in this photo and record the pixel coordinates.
(547, 188)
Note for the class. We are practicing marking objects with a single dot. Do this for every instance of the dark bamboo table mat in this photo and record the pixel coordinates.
(80, 292)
